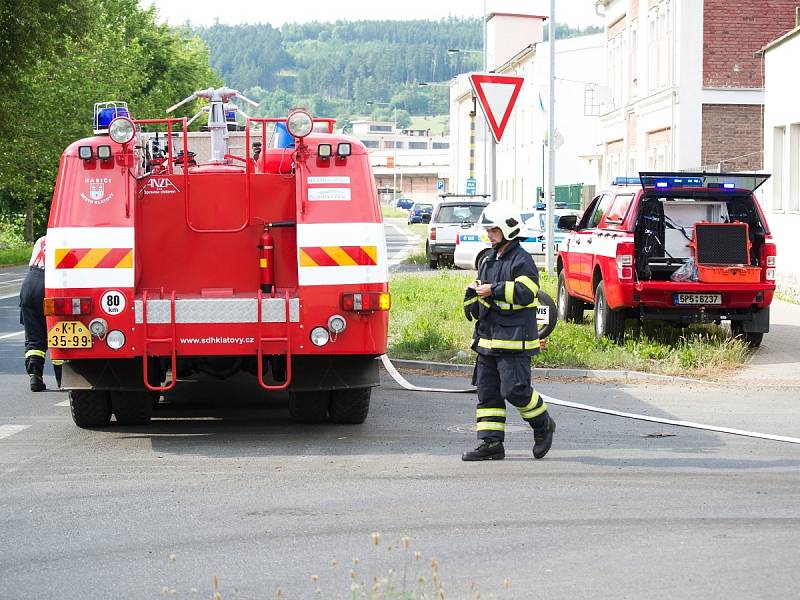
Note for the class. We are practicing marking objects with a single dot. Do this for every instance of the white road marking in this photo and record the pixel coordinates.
(9, 430)
(10, 335)
(409, 246)
(64, 403)
(9, 296)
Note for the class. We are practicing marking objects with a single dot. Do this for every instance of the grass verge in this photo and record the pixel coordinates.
(427, 323)
(393, 211)
(15, 256)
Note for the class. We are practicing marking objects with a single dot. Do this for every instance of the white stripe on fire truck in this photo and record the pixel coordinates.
(600, 246)
(67, 238)
(317, 235)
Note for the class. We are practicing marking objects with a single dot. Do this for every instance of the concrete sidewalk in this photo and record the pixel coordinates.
(777, 361)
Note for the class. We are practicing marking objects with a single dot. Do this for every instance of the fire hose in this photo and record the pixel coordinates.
(547, 301)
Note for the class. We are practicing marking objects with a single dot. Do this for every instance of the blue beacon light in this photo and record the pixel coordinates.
(105, 112)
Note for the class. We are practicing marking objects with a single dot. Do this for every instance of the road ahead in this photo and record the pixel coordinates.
(222, 483)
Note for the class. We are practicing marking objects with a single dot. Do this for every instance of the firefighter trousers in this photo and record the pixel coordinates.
(31, 302)
(506, 378)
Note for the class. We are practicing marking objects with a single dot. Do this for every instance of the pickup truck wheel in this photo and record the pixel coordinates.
(309, 407)
(569, 308)
(351, 406)
(90, 408)
(132, 408)
(481, 257)
(433, 260)
(752, 338)
(607, 322)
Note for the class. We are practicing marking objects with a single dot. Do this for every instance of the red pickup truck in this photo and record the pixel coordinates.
(679, 247)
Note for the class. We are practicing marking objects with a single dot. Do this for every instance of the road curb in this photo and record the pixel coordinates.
(549, 373)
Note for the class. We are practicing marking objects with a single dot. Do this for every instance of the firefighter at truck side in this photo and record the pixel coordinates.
(31, 302)
(503, 301)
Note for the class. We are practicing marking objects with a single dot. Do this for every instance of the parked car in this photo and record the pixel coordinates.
(678, 247)
(420, 212)
(472, 244)
(448, 218)
(404, 203)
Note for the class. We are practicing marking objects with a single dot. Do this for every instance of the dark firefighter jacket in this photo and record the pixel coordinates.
(506, 320)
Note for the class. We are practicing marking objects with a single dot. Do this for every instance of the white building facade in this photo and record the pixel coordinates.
(782, 156)
(514, 48)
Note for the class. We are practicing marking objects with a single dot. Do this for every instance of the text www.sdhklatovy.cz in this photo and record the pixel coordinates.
(218, 339)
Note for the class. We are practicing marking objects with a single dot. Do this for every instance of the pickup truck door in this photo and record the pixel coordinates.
(581, 251)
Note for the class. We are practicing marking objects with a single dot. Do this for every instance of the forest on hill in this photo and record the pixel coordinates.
(345, 68)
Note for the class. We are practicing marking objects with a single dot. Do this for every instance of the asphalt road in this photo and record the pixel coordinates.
(223, 484)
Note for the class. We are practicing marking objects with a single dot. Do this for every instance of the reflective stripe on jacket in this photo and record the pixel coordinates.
(507, 318)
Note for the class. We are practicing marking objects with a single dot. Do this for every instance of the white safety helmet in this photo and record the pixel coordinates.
(504, 216)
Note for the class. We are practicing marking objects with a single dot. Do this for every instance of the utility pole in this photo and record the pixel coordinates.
(550, 197)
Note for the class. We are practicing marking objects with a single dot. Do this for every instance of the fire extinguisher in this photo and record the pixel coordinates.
(266, 256)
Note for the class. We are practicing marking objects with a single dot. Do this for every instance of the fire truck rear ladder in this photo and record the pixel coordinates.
(172, 340)
(261, 340)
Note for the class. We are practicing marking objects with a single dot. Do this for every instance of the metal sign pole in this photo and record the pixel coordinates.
(494, 171)
(550, 198)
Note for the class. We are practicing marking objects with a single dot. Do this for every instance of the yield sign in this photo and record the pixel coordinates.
(496, 95)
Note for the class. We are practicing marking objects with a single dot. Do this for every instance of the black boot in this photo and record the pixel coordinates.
(543, 438)
(37, 383)
(488, 450)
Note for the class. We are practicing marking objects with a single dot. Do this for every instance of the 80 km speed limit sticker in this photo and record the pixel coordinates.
(113, 302)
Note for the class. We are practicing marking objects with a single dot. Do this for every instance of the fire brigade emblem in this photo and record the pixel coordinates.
(96, 187)
(97, 191)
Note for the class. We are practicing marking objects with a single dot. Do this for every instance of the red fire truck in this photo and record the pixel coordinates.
(270, 261)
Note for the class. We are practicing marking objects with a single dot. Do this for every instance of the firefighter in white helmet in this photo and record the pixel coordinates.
(503, 302)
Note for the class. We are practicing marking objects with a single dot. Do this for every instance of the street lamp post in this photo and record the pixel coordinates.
(394, 146)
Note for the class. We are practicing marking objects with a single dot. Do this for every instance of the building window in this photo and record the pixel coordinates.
(794, 162)
(370, 143)
(392, 144)
(591, 100)
(441, 145)
(381, 128)
(778, 134)
(632, 65)
(417, 145)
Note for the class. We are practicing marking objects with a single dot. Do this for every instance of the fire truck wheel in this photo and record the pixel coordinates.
(608, 322)
(569, 308)
(132, 408)
(309, 407)
(751, 338)
(90, 408)
(350, 407)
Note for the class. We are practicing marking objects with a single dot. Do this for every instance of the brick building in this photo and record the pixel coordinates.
(686, 86)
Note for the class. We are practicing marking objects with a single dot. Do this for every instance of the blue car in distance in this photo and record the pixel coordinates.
(420, 212)
(404, 203)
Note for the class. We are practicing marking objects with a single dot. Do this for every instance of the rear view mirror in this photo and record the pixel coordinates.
(568, 222)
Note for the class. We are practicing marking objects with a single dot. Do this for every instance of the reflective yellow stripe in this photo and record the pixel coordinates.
(491, 412)
(508, 344)
(38, 353)
(506, 306)
(490, 426)
(534, 408)
(484, 302)
(57, 362)
(528, 283)
(509, 292)
(472, 300)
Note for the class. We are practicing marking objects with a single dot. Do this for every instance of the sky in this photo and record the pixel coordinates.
(275, 12)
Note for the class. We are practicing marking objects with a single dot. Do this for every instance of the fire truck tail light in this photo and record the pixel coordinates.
(625, 260)
(67, 307)
(366, 301)
(115, 339)
(320, 336)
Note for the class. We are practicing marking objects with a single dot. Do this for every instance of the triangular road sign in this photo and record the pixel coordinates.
(496, 95)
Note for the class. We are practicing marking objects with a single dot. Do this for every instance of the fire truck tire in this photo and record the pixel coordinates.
(309, 407)
(569, 308)
(90, 408)
(752, 338)
(132, 408)
(608, 322)
(350, 407)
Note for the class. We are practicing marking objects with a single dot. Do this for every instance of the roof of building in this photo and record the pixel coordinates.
(490, 16)
(784, 38)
